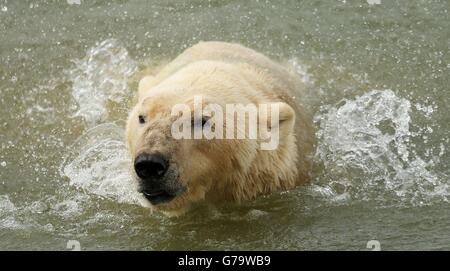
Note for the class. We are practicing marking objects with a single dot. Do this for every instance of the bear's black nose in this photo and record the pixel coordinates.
(150, 165)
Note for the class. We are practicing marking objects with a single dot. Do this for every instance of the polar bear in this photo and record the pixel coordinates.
(173, 172)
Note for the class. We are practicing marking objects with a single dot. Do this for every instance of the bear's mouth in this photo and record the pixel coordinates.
(158, 196)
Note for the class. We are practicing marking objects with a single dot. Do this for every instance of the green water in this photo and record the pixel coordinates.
(378, 78)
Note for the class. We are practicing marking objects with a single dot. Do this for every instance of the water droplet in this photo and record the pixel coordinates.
(374, 2)
(74, 2)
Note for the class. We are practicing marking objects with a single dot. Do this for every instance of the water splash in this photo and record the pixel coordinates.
(366, 151)
(101, 76)
(98, 162)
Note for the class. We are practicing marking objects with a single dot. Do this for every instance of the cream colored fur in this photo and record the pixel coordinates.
(224, 170)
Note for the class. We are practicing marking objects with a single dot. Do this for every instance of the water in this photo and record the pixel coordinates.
(378, 84)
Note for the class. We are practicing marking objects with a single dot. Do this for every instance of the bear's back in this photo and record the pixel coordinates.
(234, 54)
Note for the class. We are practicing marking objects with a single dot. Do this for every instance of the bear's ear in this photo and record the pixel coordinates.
(286, 112)
(286, 115)
(276, 124)
(144, 85)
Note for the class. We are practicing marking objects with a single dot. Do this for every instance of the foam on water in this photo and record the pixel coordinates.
(366, 152)
(101, 76)
(15, 217)
(7, 211)
(71, 206)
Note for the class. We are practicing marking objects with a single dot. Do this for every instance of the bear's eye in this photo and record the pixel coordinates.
(141, 119)
(204, 120)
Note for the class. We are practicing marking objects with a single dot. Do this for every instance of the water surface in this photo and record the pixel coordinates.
(378, 85)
